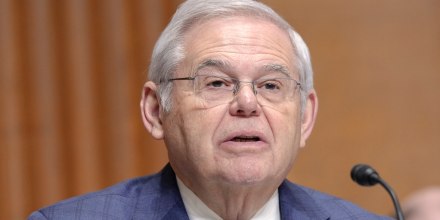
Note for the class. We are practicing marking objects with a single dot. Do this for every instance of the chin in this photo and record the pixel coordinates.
(247, 173)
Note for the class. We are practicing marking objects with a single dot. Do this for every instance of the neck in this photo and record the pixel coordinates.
(233, 201)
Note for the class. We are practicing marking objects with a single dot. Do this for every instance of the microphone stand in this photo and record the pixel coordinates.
(397, 208)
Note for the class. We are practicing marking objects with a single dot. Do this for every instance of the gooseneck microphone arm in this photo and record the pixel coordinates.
(397, 208)
(365, 175)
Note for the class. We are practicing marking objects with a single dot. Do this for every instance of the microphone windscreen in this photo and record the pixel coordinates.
(364, 175)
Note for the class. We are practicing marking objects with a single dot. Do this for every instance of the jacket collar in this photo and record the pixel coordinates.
(296, 203)
(160, 199)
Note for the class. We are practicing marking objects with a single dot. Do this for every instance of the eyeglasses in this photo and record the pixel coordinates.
(221, 89)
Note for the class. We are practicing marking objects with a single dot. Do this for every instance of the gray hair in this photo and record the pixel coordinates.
(169, 50)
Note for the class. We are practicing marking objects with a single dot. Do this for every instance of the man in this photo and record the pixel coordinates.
(231, 94)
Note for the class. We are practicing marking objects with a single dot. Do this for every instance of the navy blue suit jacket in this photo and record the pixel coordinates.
(158, 197)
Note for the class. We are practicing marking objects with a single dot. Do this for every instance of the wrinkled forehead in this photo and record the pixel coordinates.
(218, 33)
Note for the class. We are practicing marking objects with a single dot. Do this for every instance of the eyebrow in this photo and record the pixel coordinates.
(220, 64)
(277, 68)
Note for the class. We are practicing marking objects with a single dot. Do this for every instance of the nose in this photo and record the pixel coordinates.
(245, 103)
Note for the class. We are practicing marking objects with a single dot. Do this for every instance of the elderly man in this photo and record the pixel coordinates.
(231, 94)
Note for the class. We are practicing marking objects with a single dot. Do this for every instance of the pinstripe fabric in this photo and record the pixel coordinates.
(158, 197)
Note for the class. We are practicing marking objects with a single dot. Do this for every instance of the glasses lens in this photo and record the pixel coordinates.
(275, 90)
(214, 88)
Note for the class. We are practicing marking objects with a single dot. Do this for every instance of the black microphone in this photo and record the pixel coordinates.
(365, 175)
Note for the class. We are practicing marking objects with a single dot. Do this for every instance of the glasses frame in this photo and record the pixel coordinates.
(237, 82)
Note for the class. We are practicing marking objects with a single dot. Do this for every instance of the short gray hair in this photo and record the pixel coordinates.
(169, 50)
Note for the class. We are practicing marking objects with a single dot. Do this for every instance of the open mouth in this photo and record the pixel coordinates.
(245, 139)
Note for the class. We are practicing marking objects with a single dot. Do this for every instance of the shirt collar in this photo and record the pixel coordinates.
(197, 209)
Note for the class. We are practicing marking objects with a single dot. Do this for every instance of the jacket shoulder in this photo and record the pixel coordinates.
(314, 203)
(116, 202)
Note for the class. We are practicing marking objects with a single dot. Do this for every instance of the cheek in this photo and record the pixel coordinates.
(190, 130)
(285, 124)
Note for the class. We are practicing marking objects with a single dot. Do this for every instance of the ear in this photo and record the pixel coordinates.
(150, 109)
(309, 116)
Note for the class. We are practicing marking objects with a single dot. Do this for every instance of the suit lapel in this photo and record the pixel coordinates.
(163, 198)
(171, 195)
(295, 203)
(178, 211)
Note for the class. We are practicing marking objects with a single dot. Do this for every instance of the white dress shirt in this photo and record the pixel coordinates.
(197, 210)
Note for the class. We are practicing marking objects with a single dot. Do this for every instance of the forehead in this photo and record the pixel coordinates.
(239, 40)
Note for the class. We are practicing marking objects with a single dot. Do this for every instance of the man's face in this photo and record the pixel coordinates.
(242, 141)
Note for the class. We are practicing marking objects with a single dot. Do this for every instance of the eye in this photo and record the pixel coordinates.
(214, 82)
(270, 85)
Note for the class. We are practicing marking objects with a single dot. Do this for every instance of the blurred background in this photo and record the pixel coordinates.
(71, 73)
